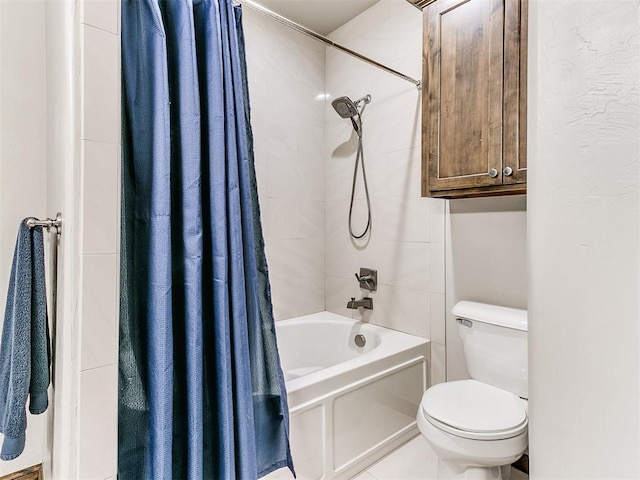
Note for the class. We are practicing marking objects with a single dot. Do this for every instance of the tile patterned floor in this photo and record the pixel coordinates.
(415, 460)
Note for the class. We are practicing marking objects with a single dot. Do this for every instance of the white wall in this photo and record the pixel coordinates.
(286, 86)
(584, 337)
(99, 222)
(59, 151)
(406, 244)
(486, 261)
(62, 196)
(23, 168)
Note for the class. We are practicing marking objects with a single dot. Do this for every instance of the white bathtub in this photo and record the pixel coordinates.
(349, 406)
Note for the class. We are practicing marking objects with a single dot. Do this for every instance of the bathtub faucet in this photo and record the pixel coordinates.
(365, 302)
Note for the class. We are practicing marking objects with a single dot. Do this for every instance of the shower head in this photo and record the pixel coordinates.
(346, 108)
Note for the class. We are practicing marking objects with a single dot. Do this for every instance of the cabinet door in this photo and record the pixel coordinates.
(515, 92)
(463, 94)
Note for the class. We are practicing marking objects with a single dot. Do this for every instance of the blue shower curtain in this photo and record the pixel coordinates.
(201, 391)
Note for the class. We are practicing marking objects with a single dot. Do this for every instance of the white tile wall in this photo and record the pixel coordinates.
(286, 84)
(101, 84)
(304, 163)
(98, 425)
(406, 245)
(438, 316)
(338, 292)
(402, 309)
(100, 198)
(100, 207)
(99, 311)
(101, 14)
(438, 363)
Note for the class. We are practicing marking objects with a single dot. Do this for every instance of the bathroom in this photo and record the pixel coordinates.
(567, 251)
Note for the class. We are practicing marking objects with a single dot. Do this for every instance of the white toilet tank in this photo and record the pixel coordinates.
(494, 341)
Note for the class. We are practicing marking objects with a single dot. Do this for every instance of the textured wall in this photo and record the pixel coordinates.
(584, 224)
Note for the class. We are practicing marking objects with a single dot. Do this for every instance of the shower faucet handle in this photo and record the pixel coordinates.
(368, 279)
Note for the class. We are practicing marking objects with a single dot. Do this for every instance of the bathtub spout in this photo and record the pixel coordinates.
(365, 302)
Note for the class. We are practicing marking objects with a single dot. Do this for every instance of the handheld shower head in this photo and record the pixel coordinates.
(345, 107)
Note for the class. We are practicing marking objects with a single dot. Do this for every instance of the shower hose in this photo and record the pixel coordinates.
(359, 160)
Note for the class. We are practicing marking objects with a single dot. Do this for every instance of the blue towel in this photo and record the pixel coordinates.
(24, 352)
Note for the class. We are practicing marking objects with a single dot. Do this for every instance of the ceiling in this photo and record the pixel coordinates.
(321, 16)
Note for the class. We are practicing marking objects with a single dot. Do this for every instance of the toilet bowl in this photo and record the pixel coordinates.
(476, 430)
(478, 427)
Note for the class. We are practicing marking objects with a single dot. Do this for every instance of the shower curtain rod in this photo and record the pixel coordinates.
(296, 26)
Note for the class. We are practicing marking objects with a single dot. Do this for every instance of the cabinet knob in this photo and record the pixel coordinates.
(508, 171)
(493, 173)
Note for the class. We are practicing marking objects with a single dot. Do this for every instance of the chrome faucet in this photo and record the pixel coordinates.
(365, 302)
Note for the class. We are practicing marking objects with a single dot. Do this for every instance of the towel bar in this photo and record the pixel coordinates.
(50, 223)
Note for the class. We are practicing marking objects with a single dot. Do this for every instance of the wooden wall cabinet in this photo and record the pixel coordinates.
(474, 98)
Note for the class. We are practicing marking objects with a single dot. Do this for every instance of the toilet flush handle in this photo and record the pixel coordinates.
(465, 322)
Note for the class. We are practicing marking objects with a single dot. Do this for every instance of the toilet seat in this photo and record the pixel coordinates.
(474, 410)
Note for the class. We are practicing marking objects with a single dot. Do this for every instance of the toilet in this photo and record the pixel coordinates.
(478, 427)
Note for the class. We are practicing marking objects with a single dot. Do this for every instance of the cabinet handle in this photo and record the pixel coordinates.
(493, 173)
(508, 171)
